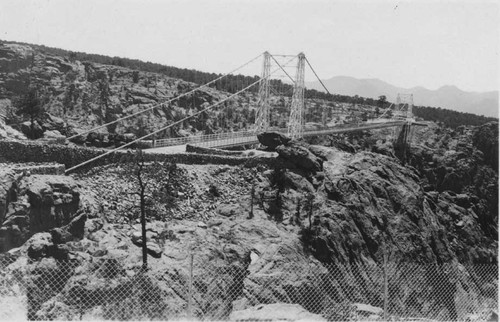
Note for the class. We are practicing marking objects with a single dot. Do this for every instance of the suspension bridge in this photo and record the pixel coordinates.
(401, 112)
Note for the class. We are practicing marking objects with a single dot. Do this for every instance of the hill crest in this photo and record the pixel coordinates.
(447, 96)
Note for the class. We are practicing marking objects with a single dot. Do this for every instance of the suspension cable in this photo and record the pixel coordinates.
(293, 81)
(168, 126)
(165, 102)
(326, 89)
(386, 110)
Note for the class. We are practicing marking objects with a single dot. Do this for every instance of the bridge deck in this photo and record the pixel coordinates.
(224, 140)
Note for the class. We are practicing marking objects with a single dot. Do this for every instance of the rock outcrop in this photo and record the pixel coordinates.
(455, 162)
(37, 203)
(321, 222)
(485, 139)
(76, 95)
(293, 153)
(272, 139)
(299, 156)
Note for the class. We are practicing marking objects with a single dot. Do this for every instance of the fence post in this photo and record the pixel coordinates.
(190, 291)
(385, 283)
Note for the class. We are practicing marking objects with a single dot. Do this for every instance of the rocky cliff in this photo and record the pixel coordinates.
(319, 210)
(332, 211)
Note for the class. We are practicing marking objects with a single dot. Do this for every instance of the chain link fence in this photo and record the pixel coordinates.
(102, 289)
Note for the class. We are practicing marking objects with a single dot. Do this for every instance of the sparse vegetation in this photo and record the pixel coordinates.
(443, 208)
(233, 83)
(31, 104)
(449, 118)
(214, 190)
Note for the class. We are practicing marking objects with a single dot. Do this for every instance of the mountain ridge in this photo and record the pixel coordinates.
(446, 96)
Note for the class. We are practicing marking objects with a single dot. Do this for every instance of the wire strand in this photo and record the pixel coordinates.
(165, 102)
(293, 81)
(168, 126)
(317, 76)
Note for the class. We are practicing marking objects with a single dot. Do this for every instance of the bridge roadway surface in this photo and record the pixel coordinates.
(224, 140)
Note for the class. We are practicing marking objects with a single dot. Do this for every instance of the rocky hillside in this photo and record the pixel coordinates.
(320, 206)
(80, 95)
(332, 208)
(69, 95)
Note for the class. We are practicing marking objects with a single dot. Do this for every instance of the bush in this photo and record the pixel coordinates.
(214, 190)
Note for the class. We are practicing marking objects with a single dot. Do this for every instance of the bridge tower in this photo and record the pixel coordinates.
(404, 106)
(404, 111)
(296, 121)
(262, 116)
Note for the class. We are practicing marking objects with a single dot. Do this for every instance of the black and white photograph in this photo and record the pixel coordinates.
(249, 160)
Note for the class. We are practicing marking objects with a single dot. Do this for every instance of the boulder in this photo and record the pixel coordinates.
(56, 309)
(73, 231)
(154, 249)
(38, 203)
(463, 200)
(367, 309)
(39, 245)
(93, 225)
(453, 182)
(322, 152)
(129, 137)
(92, 136)
(33, 131)
(228, 210)
(345, 146)
(214, 222)
(275, 312)
(53, 134)
(295, 180)
(58, 123)
(80, 139)
(272, 139)
(300, 156)
(7, 132)
(54, 201)
(52, 123)
(54, 137)
(383, 148)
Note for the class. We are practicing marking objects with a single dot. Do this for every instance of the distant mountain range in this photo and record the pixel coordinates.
(449, 97)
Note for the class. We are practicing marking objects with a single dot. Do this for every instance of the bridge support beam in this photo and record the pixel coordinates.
(402, 143)
(263, 115)
(296, 122)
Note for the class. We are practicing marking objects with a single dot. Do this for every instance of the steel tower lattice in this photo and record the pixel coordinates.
(262, 116)
(296, 122)
(401, 101)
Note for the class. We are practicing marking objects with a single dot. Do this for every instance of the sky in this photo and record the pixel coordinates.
(405, 43)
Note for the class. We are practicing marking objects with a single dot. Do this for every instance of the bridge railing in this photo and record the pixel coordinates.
(202, 138)
(353, 127)
(249, 136)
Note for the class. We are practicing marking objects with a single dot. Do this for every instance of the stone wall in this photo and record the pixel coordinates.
(17, 151)
(52, 168)
(202, 150)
